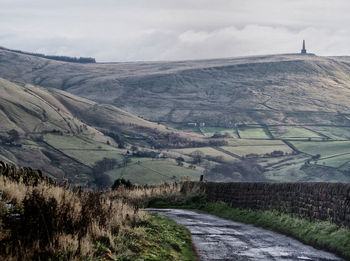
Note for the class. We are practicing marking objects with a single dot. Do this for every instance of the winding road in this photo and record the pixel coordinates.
(219, 239)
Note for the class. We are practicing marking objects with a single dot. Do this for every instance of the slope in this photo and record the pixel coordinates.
(67, 136)
(274, 89)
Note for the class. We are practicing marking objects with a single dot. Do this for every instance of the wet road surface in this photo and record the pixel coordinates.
(219, 239)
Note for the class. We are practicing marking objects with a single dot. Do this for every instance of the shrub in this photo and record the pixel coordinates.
(121, 182)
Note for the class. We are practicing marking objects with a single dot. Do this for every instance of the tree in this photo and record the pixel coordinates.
(316, 157)
(197, 157)
(126, 161)
(134, 148)
(14, 135)
(104, 165)
(101, 179)
(179, 161)
(122, 182)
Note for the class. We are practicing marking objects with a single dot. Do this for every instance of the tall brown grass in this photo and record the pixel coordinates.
(60, 223)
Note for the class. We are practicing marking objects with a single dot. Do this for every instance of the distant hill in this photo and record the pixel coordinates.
(55, 57)
(274, 89)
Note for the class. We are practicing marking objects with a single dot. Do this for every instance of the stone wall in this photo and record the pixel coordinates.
(27, 176)
(316, 201)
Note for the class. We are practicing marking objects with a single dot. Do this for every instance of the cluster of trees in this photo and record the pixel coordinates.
(218, 159)
(313, 158)
(145, 154)
(218, 135)
(273, 154)
(54, 131)
(56, 57)
(198, 157)
(101, 179)
(100, 169)
(276, 153)
(119, 139)
(11, 139)
(122, 182)
(180, 162)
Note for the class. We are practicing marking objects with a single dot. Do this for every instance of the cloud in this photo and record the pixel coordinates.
(129, 30)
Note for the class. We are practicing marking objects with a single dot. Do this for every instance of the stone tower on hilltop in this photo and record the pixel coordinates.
(303, 51)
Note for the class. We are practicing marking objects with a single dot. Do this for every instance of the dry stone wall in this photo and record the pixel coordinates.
(26, 175)
(316, 201)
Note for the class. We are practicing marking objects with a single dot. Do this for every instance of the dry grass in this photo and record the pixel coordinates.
(55, 220)
(61, 223)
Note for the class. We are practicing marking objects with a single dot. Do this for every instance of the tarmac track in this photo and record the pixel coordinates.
(219, 239)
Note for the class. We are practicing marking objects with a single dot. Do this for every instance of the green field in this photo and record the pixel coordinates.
(345, 166)
(260, 150)
(210, 131)
(206, 151)
(242, 147)
(334, 162)
(250, 132)
(325, 148)
(254, 142)
(86, 152)
(334, 133)
(286, 169)
(290, 132)
(155, 171)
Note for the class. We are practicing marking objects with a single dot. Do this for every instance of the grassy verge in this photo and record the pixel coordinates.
(158, 238)
(324, 235)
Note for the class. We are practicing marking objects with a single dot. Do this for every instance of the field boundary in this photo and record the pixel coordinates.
(227, 152)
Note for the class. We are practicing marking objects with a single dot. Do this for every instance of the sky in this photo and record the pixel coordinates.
(151, 30)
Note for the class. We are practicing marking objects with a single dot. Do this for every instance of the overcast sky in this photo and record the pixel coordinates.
(134, 30)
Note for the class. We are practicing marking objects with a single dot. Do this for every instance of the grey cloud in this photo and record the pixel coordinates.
(128, 30)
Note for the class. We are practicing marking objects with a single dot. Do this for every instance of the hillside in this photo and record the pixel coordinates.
(275, 89)
(68, 136)
(276, 117)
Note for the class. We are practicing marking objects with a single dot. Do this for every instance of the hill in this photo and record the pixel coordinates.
(274, 89)
(72, 137)
(276, 117)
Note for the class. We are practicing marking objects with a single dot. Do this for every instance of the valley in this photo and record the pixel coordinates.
(154, 122)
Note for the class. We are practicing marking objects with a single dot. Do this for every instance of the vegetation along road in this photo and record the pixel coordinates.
(220, 239)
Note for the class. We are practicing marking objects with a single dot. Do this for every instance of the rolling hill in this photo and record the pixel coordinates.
(275, 89)
(288, 113)
(66, 136)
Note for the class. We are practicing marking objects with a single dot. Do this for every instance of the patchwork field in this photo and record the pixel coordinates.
(254, 142)
(252, 132)
(336, 161)
(210, 131)
(87, 152)
(335, 154)
(324, 148)
(334, 133)
(295, 133)
(257, 149)
(155, 171)
(286, 169)
(206, 151)
(251, 140)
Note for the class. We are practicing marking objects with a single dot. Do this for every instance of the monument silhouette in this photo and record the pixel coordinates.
(303, 51)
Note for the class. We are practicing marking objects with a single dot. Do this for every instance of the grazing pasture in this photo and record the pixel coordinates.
(253, 132)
